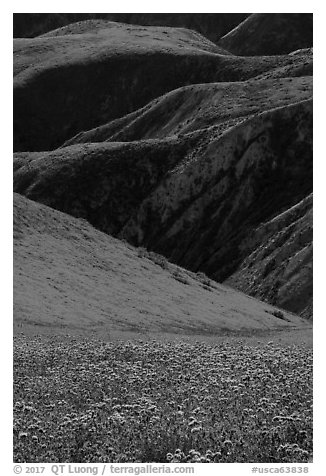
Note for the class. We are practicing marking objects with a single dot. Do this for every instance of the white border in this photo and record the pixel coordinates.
(319, 186)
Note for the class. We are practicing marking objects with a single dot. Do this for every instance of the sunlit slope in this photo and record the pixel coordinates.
(70, 277)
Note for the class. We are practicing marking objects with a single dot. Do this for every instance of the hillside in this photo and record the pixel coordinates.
(195, 199)
(278, 266)
(200, 106)
(69, 277)
(103, 183)
(270, 34)
(157, 135)
(200, 213)
(90, 73)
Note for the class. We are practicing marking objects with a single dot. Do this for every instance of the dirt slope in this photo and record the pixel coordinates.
(70, 83)
(200, 106)
(69, 276)
(270, 34)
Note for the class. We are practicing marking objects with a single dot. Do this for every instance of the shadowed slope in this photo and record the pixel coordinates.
(69, 83)
(104, 183)
(200, 213)
(200, 106)
(69, 276)
(278, 266)
(270, 34)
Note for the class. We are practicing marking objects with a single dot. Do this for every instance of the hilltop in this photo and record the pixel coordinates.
(211, 25)
(87, 74)
(270, 34)
(69, 277)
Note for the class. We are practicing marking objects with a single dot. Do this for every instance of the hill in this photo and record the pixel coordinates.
(270, 34)
(278, 266)
(90, 73)
(70, 277)
(195, 199)
(211, 25)
(200, 106)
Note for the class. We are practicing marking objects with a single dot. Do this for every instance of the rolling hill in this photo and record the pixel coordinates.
(87, 74)
(71, 278)
(200, 106)
(270, 34)
(158, 136)
(211, 25)
(195, 199)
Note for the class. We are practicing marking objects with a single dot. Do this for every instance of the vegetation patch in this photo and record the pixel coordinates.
(79, 400)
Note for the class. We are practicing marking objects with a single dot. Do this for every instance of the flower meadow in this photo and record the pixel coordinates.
(78, 400)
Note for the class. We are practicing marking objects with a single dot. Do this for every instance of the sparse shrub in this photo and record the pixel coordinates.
(279, 314)
(269, 267)
(203, 278)
(142, 252)
(180, 277)
(156, 258)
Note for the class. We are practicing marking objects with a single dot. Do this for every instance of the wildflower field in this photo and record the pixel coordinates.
(79, 400)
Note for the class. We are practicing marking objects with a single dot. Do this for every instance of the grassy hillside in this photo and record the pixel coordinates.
(68, 83)
(270, 34)
(70, 277)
